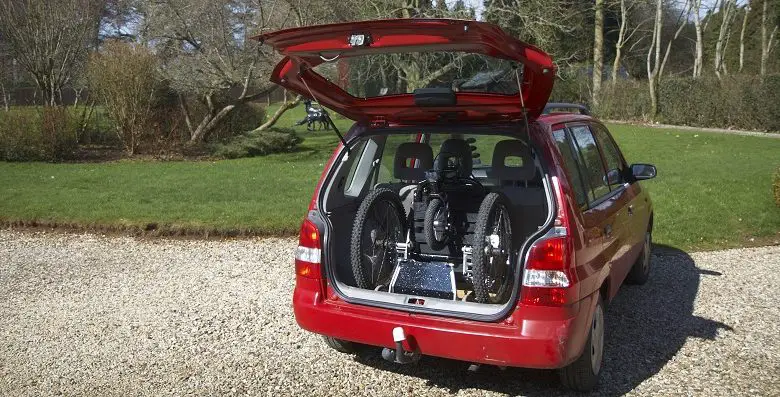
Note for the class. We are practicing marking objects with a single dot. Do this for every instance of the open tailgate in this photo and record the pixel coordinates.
(307, 47)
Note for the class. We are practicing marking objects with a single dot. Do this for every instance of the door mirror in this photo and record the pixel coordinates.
(643, 171)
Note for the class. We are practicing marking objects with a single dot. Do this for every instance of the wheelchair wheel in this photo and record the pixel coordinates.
(378, 226)
(436, 218)
(492, 252)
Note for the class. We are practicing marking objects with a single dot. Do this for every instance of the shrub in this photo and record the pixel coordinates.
(38, 134)
(251, 144)
(776, 187)
(624, 100)
(124, 78)
(571, 85)
(735, 101)
(59, 133)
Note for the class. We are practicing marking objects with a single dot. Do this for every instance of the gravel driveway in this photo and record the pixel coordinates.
(84, 314)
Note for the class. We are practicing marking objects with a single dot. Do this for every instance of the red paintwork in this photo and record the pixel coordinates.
(530, 336)
(533, 336)
(302, 48)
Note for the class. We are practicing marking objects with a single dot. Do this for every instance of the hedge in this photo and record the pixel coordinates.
(741, 102)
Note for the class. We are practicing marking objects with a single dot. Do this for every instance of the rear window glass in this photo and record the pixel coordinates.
(401, 73)
(572, 167)
(479, 150)
(591, 158)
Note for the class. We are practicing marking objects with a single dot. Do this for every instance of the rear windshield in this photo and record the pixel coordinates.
(401, 73)
(407, 148)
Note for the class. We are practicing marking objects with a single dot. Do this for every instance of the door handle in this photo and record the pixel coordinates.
(608, 230)
(630, 210)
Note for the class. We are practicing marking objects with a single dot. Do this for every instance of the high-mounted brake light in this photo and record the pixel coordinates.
(548, 275)
(308, 255)
(359, 40)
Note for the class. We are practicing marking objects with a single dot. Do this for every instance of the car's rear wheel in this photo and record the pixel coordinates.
(583, 374)
(640, 271)
(379, 225)
(342, 346)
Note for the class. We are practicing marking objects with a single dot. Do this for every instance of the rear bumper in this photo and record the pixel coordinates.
(532, 337)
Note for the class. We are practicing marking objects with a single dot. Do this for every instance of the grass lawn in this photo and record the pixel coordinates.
(712, 191)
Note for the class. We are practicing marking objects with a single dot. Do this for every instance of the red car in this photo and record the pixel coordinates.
(455, 220)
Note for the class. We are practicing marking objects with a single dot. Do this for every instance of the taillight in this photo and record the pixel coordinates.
(548, 277)
(308, 255)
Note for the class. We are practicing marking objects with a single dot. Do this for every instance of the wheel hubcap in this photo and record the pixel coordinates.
(440, 224)
(597, 340)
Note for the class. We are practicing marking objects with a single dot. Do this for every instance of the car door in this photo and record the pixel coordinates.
(635, 203)
(622, 197)
(603, 215)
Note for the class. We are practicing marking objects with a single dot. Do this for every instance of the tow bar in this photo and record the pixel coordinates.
(399, 355)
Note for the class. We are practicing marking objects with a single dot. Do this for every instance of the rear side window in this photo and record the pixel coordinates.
(360, 170)
(615, 166)
(591, 159)
(572, 167)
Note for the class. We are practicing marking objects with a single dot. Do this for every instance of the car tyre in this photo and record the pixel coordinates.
(583, 374)
(342, 346)
(640, 271)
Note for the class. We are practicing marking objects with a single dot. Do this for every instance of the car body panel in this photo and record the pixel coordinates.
(606, 236)
(532, 336)
(305, 48)
(529, 336)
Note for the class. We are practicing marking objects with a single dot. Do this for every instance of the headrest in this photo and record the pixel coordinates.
(455, 150)
(407, 170)
(520, 166)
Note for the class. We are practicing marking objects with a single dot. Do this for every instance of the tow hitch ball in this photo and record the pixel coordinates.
(399, 355)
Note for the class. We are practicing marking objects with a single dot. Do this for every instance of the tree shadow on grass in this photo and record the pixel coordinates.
(645, 327)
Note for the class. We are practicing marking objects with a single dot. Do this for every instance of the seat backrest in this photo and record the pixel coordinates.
(512, 150)
(412, 159)
(513, 176)
(457, 150)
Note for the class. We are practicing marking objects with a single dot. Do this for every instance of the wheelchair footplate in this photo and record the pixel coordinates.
(427, 279)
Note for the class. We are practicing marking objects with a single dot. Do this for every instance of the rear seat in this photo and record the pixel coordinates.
(520, 184)
(411, 161)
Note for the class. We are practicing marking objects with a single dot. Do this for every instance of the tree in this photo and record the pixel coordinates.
(767, 41)
(746, 10)
(5, 67)
(724, 34)
(207, 52)
(698, 60)
(124, 78)
(50, 39)
(120, 19)
(598, 50)
(654, 57)
(681, 23)
(629, 24)
(556, 26)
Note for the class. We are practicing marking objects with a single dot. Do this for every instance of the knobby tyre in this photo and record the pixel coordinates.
(379, 225)
(492, 252)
